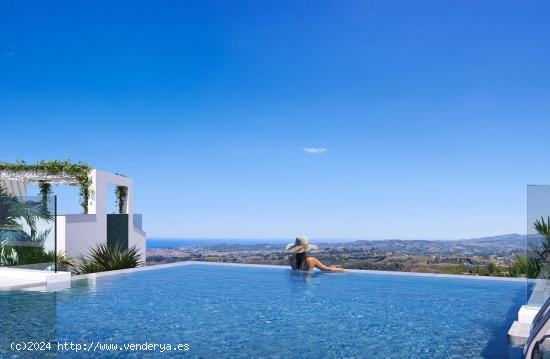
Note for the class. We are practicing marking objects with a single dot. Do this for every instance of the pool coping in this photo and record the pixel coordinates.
(282, 267)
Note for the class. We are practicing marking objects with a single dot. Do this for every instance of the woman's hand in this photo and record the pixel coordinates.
(314, 262)
(338, 268)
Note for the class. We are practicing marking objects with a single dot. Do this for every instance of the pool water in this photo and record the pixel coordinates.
(224, 311)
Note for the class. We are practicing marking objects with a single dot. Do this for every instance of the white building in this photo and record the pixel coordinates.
(76, 234)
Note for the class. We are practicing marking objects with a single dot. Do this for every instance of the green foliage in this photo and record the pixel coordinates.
(492, 268)
(63, 263)
(541, 250)
(13, 212)
(79, 171)
(45, 192)
(537, 264)
(22, 255)
(85, 265)
(106, 258)
(8, 257)
(33, 253)
(45, 188)
(121, 192)
(524, 266)
(458, 269)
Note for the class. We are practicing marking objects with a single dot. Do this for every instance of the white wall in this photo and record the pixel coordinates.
(78, 233)
(137, 238)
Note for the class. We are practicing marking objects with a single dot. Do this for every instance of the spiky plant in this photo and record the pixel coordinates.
(541, 249)
(84, 265)
(524, 266)
(63, 263)
(105, 258)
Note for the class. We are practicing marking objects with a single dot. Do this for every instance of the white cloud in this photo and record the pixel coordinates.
(314, 150)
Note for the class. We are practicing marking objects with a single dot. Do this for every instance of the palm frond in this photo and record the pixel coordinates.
(525, 266)
(541, 249)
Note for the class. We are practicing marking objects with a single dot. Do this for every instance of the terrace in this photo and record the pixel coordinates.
(67, 235)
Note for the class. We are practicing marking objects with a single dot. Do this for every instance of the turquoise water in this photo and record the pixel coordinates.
(252, 312)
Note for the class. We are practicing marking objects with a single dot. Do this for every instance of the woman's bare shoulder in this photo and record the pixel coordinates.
(312, 260)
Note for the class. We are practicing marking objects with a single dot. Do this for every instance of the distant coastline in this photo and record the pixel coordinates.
(184, 242)
(180, 242)
(477, 256)
(175, 242)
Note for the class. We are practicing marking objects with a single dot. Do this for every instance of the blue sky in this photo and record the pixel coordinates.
(433, 114)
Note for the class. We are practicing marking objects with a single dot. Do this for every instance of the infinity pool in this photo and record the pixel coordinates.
(225, 311)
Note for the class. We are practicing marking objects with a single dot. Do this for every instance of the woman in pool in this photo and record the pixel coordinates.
(300, 260)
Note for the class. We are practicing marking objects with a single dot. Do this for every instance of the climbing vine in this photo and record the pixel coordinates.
(121, 192)
(45, 188)
(80, 171)
(45, 192)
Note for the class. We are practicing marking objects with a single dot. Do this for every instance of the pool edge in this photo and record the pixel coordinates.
(281, 267)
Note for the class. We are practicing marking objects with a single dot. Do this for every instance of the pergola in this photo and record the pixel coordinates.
(34, 176)
(78, 174)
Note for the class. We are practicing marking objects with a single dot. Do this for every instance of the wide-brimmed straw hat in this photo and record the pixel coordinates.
(300, 245)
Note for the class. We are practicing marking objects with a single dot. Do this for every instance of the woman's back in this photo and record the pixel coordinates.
(300, 261)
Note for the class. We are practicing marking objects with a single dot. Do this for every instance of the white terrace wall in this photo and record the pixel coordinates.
(136, 237)
(78, 233)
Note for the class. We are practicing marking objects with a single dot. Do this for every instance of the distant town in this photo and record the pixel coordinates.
(480, 256)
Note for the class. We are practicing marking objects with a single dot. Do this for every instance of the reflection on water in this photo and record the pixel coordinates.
(301, 276)
(27, 317)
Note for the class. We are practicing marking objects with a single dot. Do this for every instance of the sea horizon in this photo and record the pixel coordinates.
(159, 242)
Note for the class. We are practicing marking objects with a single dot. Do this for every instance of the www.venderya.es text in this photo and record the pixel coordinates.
(98, 347)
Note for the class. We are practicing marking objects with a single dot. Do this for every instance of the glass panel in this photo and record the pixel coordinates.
(537, 262)
(138, 221)
(27, 232)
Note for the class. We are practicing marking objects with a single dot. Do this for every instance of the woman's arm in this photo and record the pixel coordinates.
(314, 262)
